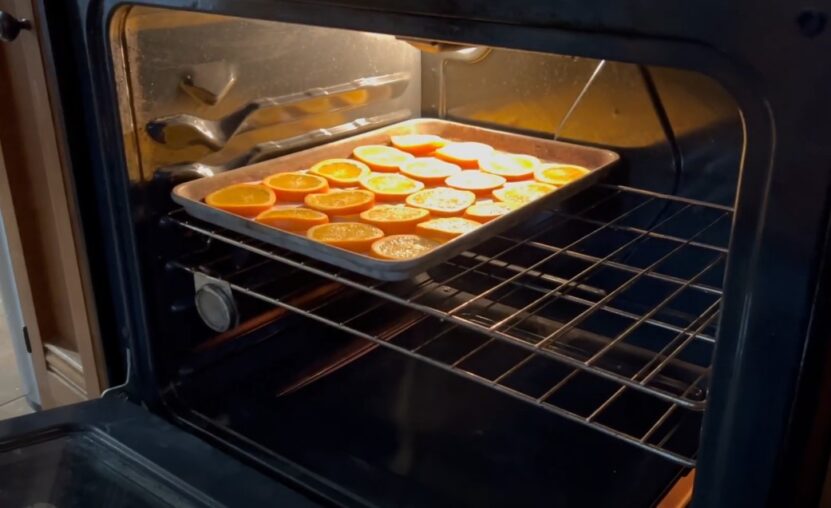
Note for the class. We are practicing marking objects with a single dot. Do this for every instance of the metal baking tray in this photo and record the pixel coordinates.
(191, 194)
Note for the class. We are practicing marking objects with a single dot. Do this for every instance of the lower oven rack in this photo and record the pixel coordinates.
(515, 295)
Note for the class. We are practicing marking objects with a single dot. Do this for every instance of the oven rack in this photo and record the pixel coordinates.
(510, 291)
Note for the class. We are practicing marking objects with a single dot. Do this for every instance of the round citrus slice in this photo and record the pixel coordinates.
(395, 220)
(475, 181)
(511, 166)
(295, 186)
(381, 158)
(353, 236)
(340, 172)
(429, 170)
(243, 199)
(486, 211)
(520, 193)
(390, 186)
(417, 144)
(466, 154)
(442, 201)
(446, 228)
(398, 247)
(292, 219)
(559, 174)
(341, 202)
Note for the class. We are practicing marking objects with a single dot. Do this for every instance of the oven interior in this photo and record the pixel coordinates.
(562, 363)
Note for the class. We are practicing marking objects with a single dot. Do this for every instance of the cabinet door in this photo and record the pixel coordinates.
(44, 236)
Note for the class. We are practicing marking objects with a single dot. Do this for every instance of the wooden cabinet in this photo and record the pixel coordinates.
(44, 234)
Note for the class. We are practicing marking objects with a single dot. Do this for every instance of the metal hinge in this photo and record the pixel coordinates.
(26, 340)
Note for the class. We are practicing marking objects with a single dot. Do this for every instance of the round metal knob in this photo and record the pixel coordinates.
(10, 26)
(216, 308)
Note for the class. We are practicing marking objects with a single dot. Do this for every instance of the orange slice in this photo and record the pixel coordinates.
(429, 170)
(417, 144)
(466, 155)
(442, 201)
(488, 210)
(381, 158)
(398, 247)
(446, 228)
(390, 186)
(352, 236)
(243, 199)
(292, 219)
(340, 172)
(512, 166)
(520, 193)
(394, 220)
(341, 202)
(295, 186)
(559, 174)
(477, 182)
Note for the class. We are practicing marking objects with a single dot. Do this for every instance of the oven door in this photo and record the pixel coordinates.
(109, 452)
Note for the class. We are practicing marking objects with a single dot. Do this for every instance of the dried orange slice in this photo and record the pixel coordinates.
(390, 186)
(475, 181)
(398, 247)
(446, 228)
(381, 157)
(466, 154)
(341, 202)
(353, 236)
(394, 220)
(340, 172)
(292, 219)
(559, 174)
(429, 170)
(512, 166)
(486, 211)
(417, 144)
(520, 193)
(243, 199)
(442, 201)
(295, 186)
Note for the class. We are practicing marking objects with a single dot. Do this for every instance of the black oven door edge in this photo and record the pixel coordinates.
(109, 452)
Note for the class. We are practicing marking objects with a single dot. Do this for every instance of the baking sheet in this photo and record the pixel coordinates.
(191, 194)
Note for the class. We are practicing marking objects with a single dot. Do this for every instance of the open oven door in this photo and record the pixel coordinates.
(109, 452)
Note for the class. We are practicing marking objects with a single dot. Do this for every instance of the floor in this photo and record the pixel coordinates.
(12, 398)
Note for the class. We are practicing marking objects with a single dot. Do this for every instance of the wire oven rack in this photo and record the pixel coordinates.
(619, 286)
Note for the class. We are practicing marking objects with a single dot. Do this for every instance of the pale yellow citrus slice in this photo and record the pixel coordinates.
(511, 166)
(398, 247)
(446, 228)
(442, 201)
(381, 158)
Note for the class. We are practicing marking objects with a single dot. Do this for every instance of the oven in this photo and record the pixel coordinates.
(656, 339)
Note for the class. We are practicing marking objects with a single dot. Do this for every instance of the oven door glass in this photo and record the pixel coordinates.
(111, 453)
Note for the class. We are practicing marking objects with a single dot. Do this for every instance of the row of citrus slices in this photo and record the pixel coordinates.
(346, 190)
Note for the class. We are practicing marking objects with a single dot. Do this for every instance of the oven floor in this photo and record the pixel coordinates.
(396, 432)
